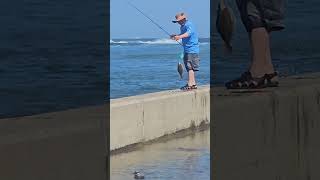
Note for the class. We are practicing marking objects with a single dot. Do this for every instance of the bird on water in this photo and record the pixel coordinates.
(138, 175)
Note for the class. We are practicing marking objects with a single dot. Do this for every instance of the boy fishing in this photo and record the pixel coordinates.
(190, 42)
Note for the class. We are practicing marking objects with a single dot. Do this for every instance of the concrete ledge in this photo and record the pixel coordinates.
(61, 145)
(263, 134)
(138, 119)
(268, 134)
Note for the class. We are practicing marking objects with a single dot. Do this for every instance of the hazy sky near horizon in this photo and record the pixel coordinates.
(127, 22)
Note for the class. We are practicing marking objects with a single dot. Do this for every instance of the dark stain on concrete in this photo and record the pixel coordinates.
(275, 109)
(179, 134)
(298, 132)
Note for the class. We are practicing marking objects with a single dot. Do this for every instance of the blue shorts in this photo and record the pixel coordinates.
(191, 61)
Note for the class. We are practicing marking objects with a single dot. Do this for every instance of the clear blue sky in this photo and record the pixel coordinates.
(127, 22)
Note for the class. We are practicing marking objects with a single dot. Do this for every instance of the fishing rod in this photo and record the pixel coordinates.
(152, 21)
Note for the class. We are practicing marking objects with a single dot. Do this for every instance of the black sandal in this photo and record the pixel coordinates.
(187, 87)
(242, 82)
(194, 86)
(264, 81)
(246, 81)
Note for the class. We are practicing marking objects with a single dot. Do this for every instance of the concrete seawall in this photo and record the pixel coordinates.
(54, 146)
(265, 134)
(270, 134)
(261, 134)
(138, 119)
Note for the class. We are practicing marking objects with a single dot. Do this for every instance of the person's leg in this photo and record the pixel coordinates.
(191, 62)
(259, 25)
(191, 78)
(261, 72)
(195, 61)
(261, 56)
(261, 67)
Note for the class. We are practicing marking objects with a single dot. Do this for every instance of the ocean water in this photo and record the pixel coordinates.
(139, 66)
(53, 56)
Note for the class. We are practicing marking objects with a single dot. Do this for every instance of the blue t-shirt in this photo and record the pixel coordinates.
(190, 43)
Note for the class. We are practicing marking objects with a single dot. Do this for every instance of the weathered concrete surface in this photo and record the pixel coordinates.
(142, 118)
(272, 134)
(66, 145)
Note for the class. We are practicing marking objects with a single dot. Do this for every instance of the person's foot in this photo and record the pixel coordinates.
(267, 80)
(188, 87)
(240, 83)
(247, 81)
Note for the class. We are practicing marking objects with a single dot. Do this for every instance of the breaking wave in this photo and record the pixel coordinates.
(153, 41)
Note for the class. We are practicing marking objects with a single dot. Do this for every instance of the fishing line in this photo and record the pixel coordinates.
(145, 15)
(181, 55)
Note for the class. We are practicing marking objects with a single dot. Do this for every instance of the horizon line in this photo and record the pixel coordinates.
(148, 38)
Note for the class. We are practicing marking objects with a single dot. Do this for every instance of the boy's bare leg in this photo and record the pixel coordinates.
(191, 80)
(261, 56)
